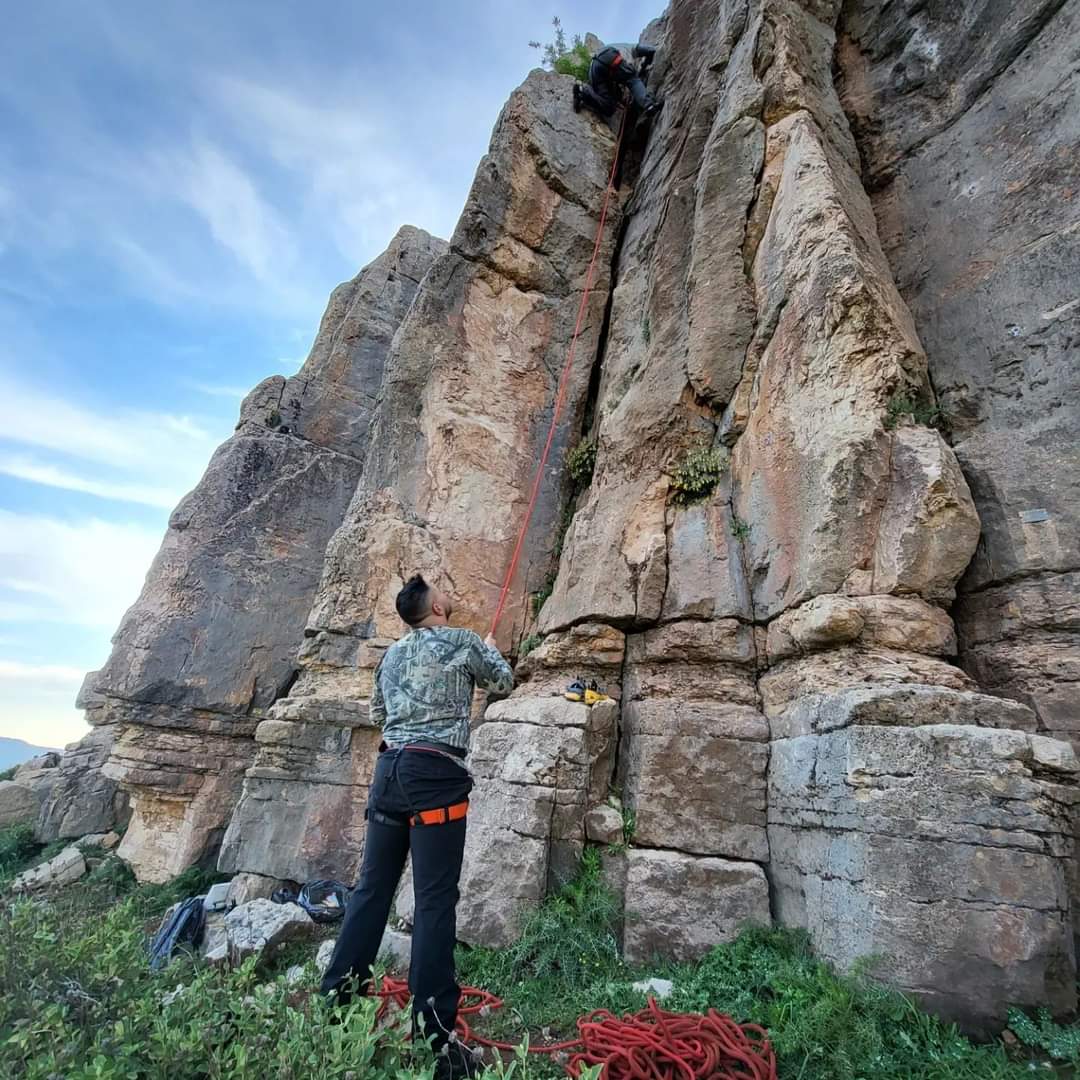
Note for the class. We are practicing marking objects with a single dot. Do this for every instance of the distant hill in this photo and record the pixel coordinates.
(15, 752)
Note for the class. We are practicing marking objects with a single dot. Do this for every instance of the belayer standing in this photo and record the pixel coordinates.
(612, 68)
(418, 801)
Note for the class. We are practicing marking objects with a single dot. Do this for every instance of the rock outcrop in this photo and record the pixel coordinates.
(468, 391)
(211, 643)
(840, 635)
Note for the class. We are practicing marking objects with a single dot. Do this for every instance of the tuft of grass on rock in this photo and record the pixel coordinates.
(697, 475)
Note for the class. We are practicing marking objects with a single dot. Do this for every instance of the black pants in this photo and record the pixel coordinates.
(406, 781)
(602, 92)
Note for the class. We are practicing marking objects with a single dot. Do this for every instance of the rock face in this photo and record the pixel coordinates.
(469, 384)
(839, 636)
(18, 804)
(967, 121)
(212, 640)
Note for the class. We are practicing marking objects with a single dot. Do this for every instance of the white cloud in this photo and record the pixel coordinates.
(228, 200)
(211, 390)
(34, 472)
(130, 454)
(78, 572)
(40, 675)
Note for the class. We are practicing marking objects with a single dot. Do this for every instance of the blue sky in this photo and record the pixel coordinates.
(181, 186)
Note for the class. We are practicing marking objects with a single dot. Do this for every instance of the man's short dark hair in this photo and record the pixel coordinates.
(413, 602)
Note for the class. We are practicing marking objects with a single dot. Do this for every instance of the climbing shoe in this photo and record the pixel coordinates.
(577, 97)
(456, 1062)
(653, 107)
(575, 691)
(594, 695)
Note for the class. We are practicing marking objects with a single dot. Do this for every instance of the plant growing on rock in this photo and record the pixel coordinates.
(902, 405)
(697, 474)
(580, 463)
(528, 644)
(566, 59)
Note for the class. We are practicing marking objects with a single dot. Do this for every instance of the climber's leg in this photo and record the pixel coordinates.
(385, 848)
(599, 93)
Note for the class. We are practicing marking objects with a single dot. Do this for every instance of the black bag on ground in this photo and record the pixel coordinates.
(184, 927)
(324, 900)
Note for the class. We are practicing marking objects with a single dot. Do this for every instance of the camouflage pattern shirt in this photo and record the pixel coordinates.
(424, 685)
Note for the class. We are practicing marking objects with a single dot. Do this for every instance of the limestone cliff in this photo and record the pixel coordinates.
(839, 268)
(211, 642)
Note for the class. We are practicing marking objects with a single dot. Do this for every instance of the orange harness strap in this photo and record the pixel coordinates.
(442, 815)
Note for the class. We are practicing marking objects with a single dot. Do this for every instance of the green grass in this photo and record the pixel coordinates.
(77, 1000)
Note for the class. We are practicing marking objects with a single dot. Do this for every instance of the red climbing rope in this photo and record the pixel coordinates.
(648, 1045)
(560, 393)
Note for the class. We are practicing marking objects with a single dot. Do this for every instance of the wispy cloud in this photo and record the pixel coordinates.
(85, 572)
(211, 390)
(128, 454)
(40, 675)
(23, 468)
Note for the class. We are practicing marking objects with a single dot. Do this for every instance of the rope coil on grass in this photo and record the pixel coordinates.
(648, 1045)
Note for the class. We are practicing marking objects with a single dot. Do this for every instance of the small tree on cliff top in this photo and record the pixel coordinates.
(572, 59)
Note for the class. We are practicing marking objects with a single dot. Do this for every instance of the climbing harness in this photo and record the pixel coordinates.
(560, 393)
(442, 815)
(648, 1045)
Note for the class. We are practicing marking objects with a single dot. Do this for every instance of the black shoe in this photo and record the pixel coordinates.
(577, 97)
(653, 107)
(456, 1062)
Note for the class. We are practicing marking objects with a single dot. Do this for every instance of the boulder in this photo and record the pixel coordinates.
(60, 870)
(943, 850)
(716, 899)
(253, 928)
(604, 825)
(19, 804)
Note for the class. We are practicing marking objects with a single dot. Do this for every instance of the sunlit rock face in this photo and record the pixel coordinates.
(825, 565)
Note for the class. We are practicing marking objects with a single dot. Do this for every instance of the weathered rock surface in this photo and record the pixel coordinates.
(211, 642)
(62, 869)
(967, 120)
(18, 804)
(81, 799)
(467, 396)
(942, 849)
(716, 898)
(253, 928)
(540, 765)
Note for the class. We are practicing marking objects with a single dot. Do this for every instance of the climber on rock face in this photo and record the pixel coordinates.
(421, 698)
(611, 70)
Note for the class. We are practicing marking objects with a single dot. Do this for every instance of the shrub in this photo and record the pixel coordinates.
(539, 598)
(18, 849)
(1062, 1043)
(698, 474)
(740, 529)
(528, 644)
(566, 59)
(902, 405)
(580, 463)
(9, 774)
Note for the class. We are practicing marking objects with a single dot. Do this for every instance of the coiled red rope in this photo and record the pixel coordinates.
(560, 393)
(648, 1045)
